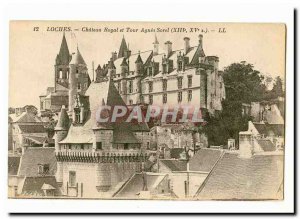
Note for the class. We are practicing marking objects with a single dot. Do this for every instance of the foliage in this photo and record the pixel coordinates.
(243, 84)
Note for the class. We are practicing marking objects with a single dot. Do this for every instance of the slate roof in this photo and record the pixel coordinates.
(135, 185)
(13, 165)
(205, 159)
(103, 93)
(33, 185)
(270, 129)
(63, 56)
(244, 179)
(266, 145)
(175, 152)
(77, 58)
(63, 120)
(36, 128)
(25, 117)
(175, 165)
(34, 156)
(144, 56)
(123, 48)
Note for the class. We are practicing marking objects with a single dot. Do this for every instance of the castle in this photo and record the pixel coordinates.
(56, 96)
(94, 159)
(173, 77)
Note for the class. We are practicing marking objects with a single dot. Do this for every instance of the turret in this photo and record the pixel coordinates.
(124, 67)
(62, 61)
(156, 46)
(61, 128)
(111, 69)
(72, 84)
(139, 65)
(168, 46)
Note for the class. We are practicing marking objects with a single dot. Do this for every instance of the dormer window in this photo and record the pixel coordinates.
(164, 68)
(43, 168)
(180, 66)
(150, 71)
(78, 86)
(77, 116)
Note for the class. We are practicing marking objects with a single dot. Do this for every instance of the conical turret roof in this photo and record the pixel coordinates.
(77, 58)
(123, 48)
(63, 56)
(63, 120)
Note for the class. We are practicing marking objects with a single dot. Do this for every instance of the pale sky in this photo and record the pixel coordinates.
(33, 53)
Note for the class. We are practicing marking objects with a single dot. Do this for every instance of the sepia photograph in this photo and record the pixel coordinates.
(145, 110)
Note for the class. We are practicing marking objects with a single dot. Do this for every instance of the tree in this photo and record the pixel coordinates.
(277, 90)
(243, 84)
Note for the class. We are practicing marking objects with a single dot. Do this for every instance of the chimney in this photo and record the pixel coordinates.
(201, 40)
(246, 144)
(114, 56)
(186, 44)
(168, 46)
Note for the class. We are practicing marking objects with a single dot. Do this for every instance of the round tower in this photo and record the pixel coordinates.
(72, 84)
(61, 131)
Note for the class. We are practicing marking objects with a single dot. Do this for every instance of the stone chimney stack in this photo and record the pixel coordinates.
(246, 144)
(201, 40)
(186, 44)
(168, 46)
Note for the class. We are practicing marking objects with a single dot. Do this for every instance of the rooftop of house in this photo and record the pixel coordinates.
(135, 184)
(32, 128)
(174, 165)
(34, 186)
(205, 159)
(103, 93)
(235, 178)
(35, 156)
(269, 129)
(24, 117)
(175, 152)
(266, 145)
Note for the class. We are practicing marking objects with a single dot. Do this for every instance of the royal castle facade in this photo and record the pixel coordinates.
(171, 77)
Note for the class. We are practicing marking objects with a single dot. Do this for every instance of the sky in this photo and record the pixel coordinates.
(33, 53)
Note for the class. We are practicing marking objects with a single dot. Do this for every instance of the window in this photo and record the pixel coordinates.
(221, 85)
(99, 145)
(190, 82)
(77, 116)
(150, 86)
(179, 96)
(150, 71)
(126, 146)
(81, 146)
(70, 147)
(165, 84)
(148, 145)
(180, 66)
(130, 86)
(164, 68)
(179, 82)
(130, 102)
(43, 168)
(189, 95)
(72, 178)
(165, 98)
(150, 99)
